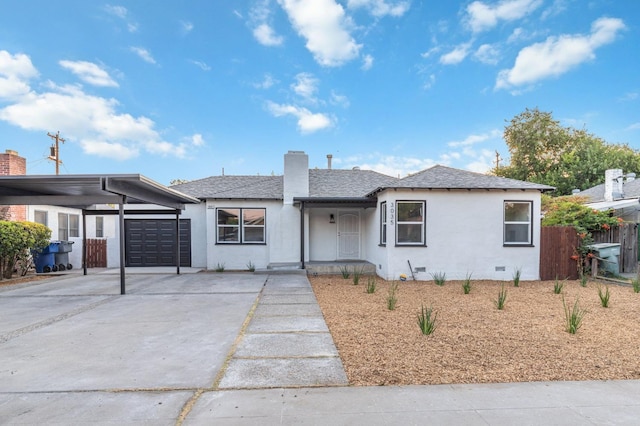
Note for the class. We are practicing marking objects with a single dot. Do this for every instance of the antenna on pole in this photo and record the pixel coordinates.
(55, 150)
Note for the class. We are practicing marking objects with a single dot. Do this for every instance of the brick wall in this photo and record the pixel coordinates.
(12, 164)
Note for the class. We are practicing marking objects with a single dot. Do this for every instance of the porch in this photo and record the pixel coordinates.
(336, 267)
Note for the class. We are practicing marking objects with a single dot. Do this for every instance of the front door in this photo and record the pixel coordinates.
(349, 235)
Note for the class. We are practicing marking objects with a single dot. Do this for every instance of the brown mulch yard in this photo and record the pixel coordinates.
(474, 341)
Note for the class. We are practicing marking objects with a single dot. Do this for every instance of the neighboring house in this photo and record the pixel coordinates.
(440, 220)
(619, 192)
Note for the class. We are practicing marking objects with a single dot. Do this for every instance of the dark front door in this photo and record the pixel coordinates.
(151, 242)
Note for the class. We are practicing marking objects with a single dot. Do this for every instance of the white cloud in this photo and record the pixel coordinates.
(367, 62)
(306, 86)
(92, 121)
(186, 26)
(202, 65)
(457, 55)
(475, 139)
(430, 52)
(380, 8)
(396, 166)
(144, 54)
(558, 55)
(630, 96)
(325, 27)
(482, 16)
(431, 80)
(89, 73)
(197, 140)
(634, 126)
(15, 73)
(122, 13)
(308, 122)
(483, 161)
(267, 82)
(337, 99)
(267, 36)
(487, 54)
(556, 8)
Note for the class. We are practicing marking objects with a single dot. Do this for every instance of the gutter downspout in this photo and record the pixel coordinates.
(302, 234)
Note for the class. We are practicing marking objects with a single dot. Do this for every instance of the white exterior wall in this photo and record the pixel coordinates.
(237, 256)
(464, 235)
(323, 236)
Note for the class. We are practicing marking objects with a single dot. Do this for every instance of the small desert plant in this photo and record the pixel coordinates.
(636, 285)
(604, 296)
(427, 320)
(584, 279)
(357, 273)
(371, 285)
(502, 298)
(345, 272)
(573, 316)
(392, 298)
(466, 284)
(516, 277)
(439, 278)
(557, 286)
(251, 267)
(220, 267)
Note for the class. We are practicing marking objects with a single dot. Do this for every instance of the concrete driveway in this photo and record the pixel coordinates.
(73, 350)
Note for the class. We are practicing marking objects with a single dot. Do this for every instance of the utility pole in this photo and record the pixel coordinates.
(497, 159)
(55, 150)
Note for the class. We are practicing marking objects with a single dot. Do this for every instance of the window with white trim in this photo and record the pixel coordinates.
(518, 222)
(68, 226)
(99, 227)
(240, 226)
(383, 223)
(410, 223)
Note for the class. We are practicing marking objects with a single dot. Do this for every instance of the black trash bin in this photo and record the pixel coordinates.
(62, 255)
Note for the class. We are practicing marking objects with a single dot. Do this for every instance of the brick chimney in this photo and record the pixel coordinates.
(12, 164)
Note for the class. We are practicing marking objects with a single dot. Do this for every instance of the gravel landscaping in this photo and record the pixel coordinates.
(474, 342)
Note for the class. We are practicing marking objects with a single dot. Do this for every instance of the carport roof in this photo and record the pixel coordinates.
(83, 191)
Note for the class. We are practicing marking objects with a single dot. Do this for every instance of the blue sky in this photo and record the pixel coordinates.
(185, 89)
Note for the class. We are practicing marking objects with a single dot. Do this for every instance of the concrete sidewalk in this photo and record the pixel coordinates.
(232, 348)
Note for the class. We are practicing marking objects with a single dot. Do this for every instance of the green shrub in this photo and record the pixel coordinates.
(516, 277)
(573, 316)
(17, 239)
(584, 279)
(439, 278)
(392, 298)
(250, 267)
(557, 287)
(344, 270)
(427, 320)
(371, 285)
(466, 284)
(357, 273)
(604, 296)
(220, 267)
(636, 285)
(502, 298)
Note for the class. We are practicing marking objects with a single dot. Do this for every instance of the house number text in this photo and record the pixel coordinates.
(392, 213)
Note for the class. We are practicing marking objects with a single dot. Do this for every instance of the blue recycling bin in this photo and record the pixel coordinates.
(44, 259)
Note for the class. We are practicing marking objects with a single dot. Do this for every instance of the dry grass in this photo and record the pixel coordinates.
(474, 341)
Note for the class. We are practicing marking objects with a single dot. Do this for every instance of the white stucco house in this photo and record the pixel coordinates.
(438, 220)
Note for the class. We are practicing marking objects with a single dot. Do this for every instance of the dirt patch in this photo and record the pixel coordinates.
(20, 280)
(474, 341)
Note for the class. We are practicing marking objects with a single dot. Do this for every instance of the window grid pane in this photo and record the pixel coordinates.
(74, 225)
(410, 223)
(63, 226)
(517, 222)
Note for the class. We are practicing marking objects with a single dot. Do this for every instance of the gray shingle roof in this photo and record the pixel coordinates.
(346, 183)
(336, 183)
(442, 177)
(596, 193)
(234, 187)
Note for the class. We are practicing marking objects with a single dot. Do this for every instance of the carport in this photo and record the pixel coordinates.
(85, 191)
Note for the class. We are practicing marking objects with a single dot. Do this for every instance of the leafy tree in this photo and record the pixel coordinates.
(543, 151)
(16, 241)
(569, 211)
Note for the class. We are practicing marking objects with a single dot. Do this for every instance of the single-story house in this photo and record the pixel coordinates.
(440, 220)
(620, 192)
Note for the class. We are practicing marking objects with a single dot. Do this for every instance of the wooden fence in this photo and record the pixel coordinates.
(627, 235)
(557, 245)
(96, 253)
